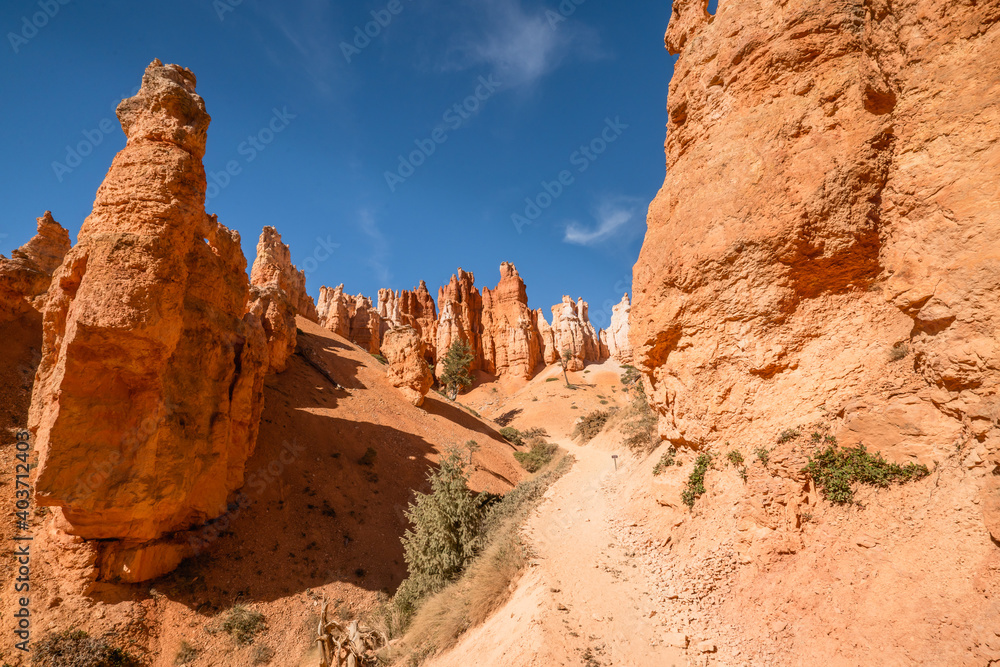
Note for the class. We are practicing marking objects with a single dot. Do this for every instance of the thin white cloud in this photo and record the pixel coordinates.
(612, 216)
(520, 46)
(378, 259)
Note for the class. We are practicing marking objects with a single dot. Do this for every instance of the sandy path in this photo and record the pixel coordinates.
(583, 602)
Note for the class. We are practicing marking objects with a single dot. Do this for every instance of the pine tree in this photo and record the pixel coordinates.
(457, 361)
(446, 530)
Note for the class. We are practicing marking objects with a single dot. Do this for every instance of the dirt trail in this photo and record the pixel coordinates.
(584, 601)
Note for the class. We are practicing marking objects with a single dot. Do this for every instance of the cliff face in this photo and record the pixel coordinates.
(147, 399)
(277, 293)
(414, 309)
(823, 254)
(572, 332)
(461, 317)
(511, 341)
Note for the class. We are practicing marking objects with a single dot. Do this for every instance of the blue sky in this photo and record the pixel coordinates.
(463, 133)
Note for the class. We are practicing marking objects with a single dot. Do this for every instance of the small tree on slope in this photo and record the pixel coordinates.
(457, 361)
(446, 530)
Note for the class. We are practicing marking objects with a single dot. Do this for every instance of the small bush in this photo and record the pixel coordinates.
(590, 425)
(538, 457)
(552, 379)
(243, 624)
(836, 469)
(186, 654)
(667, 460)
(75, 648)
(534, 432)
(368, 459)
(262, 655)
(639, 424)
(735, 458)
(787, 435)
(512, 435)
(899, 351)
(382, 360)
(455, 375)
(696, 481)
(631, 376)
(763, 455)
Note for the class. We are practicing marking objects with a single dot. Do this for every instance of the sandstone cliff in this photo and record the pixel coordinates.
(408, 367)
(461, 317)
(614, 339)
(28, 272)
(334, 310)
(572, 332)
(511, 344)
(822, 254)
(147, 400)
(414, 309)
(277, 292)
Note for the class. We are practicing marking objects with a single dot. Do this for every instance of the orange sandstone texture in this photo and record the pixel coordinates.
(408, 368)
(830, 196)
(147, 400)
(460, 307)
(334, 311)
(614, 340)
(572, 332)
(28, 272)
(511, 342)
(413, 309)
(277, 292)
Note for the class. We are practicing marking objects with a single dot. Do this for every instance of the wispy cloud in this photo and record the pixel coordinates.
(613, 216)
(379, 256)
(520, 46)
(312, 31)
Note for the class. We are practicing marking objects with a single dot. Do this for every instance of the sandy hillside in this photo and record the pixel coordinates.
(318, 521)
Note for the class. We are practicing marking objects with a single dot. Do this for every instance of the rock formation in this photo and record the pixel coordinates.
(408, 368)
(273, 265)
(277, 292)
(148, 396)
(571, 330)
(461, 315)
(614, 339)
(413, 309)
(823, 253)
(334, 310)
(28, 272)
(511, 343)
(366, 325)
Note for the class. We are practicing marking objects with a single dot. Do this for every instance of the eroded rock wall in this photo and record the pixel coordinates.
(148, 396)
(512, 346)
(822, 258)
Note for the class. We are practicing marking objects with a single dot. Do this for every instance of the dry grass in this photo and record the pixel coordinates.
(484, 586)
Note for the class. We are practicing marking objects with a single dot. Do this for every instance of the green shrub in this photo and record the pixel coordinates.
(534, 432)
(899, 351)
(787, 435)
(512, 435)
(552, 379)
(639, 424)
(75, 648)
(445, 533)
(667, 460)
(835, 470)
(763, 455)
(538, 457)
(631, 376)
(382, 360)
(455, 374)
(696, 481)
(735, 458)
(243, 624)
(590, 425)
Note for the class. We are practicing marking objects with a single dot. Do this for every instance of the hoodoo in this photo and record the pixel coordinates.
(148, 396)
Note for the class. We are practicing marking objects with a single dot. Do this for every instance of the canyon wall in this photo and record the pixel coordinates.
(147, 400)
(822, 257)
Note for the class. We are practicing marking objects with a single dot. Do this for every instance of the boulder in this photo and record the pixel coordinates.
(408, 368)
